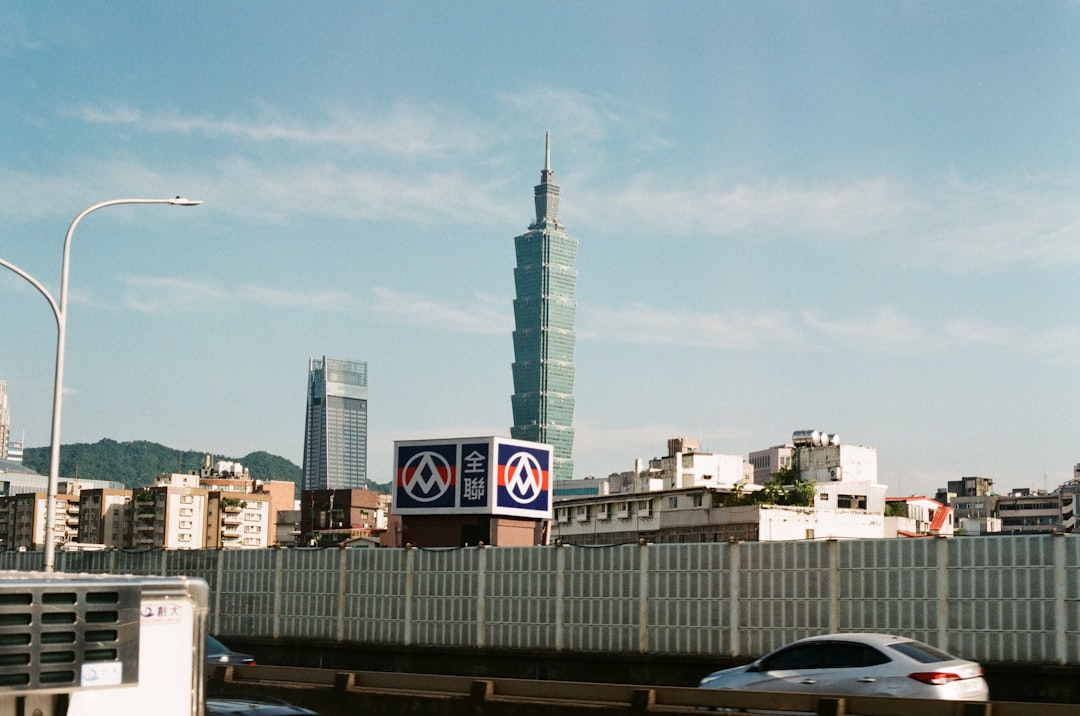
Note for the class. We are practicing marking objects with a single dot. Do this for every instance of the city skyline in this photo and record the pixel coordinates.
(844, 216)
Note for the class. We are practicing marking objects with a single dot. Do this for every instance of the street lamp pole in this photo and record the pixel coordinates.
(60, 312)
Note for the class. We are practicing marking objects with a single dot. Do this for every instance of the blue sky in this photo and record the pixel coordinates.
(858, 217)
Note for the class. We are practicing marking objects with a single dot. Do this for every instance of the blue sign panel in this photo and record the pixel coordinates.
(524, 478)
(475, 468)
(426, 476)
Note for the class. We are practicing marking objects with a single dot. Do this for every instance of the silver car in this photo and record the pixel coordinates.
(858, 665)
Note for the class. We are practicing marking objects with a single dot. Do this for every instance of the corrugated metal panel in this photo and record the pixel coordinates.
(889, 586)
(244, 599)
(444, 600)
(602, 598)
(310, 582)
(784, 593)
(1072, 601)
(989, 598)
(519, 601)
(375, 596)
(689, 599)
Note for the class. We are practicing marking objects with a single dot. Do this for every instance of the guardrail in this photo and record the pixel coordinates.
(374, 693)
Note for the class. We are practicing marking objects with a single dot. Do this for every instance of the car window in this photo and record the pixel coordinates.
(850, 655)
(801, 656)
(920, 652)
(824, 655)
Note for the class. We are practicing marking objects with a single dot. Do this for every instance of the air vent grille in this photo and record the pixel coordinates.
(57, 636)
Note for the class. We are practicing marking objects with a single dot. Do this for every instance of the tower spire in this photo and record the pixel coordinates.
(546, 193)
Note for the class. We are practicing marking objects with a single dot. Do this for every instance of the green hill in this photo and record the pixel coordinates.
(137, 463)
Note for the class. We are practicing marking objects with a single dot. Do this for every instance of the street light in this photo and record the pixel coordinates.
(60, 312)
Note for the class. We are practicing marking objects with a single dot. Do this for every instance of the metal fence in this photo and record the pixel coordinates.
(993, 599)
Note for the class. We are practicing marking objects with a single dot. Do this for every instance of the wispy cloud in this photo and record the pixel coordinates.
(401, 130)
(15, 37)
(158, 294)
(487, 314)
(885, 330)
(436, 171)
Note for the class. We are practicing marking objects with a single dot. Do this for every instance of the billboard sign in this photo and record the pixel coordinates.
(490, 475)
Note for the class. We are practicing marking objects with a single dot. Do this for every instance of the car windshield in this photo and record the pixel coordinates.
(923, 653)
(215, 647)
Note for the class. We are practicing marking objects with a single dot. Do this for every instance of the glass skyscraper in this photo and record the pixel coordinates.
(335, 437)
(545, 280)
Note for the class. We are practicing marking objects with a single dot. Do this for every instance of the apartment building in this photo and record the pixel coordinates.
(1029, 510)
(238, 521)
(170, 514)
(104, 516)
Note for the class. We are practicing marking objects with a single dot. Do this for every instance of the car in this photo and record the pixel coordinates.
(254, 706)
(858, 665)
(218, 653)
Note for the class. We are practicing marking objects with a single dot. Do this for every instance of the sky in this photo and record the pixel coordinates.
(855, 217)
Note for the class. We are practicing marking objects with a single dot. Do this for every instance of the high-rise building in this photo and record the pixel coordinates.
(335, 438)
(545, 280)
(5, 421)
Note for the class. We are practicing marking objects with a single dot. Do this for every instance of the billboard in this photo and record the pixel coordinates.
(489, 475)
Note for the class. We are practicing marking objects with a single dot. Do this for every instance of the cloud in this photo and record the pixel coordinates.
(154, 294)
(884, 330)
(402, 129)
(487, 314)
(644, 324)
(157, 294)
(408, 164)
(15, 37)
(712, 206)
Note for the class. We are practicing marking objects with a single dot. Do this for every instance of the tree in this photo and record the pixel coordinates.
(785, 488)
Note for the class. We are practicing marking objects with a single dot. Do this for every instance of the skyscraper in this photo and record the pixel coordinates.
(335, 437)
(5, 421)
(545, 280)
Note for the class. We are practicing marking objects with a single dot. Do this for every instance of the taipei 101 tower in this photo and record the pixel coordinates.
(545, 280)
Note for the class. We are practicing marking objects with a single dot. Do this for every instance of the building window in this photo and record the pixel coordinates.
(851, 502)
(186, 499)
(673, 502)
(698, 500)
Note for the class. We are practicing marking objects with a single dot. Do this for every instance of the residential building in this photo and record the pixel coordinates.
(238, 520)
(683, 466)
(701, 514)
(693, 496)
(233, 477)
(333, 516)
(768, 462)
(335, 434)
(974, 500)
(22, 520)
(287, 530)
(1029, 510)
(105, 516)
(918, 517)
(171, 514)
(545, 281)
